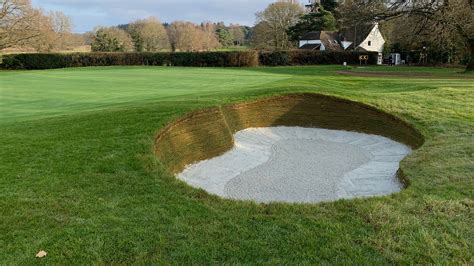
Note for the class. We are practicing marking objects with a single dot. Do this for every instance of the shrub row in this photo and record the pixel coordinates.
(301, 58)
(201, 59)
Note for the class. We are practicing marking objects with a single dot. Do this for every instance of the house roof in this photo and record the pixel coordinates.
(330, 39)
(316, 46)
(357, 35)
(361, 49)
(311, 36)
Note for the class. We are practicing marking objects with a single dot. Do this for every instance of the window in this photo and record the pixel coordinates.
(370, 43)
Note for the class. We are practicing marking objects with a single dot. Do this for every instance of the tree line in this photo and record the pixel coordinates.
(151, 35)
(25, 27)
(442, 29)
(21, 25)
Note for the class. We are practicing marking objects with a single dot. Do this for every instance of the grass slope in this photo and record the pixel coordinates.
(78, 177)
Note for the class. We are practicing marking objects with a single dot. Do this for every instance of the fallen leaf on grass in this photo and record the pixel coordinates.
(41, 254)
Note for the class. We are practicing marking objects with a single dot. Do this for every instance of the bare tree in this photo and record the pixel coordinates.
(447, 19)
(149, 35)
(186, 36)
(23, 26)
(46, 40)
(111, 39)
(278, 18)
(18, 22)
(238, 34)
(61, 23)
(454, 20)
(210, 40)
(55, 29)
(181, 35)
(62, 27)
(262, 37)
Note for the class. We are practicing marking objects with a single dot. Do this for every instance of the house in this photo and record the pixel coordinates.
(370, 40)
(321, 41)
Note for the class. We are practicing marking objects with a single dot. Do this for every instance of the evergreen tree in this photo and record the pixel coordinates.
(314, 21)
(225, 37)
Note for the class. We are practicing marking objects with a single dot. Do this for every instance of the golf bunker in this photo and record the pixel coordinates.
(302, 148)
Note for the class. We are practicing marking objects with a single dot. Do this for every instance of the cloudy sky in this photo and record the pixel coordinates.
(86, 14)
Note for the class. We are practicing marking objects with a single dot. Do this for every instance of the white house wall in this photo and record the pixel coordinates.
(376, 40)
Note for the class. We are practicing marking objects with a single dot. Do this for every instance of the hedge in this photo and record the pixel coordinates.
(202, 59)
(302, 57)
(198, 59)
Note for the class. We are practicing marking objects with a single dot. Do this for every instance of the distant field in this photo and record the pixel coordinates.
(234, 48)
(78, 177)
(78, 49)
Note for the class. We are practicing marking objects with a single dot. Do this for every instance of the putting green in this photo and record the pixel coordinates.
(38, 94)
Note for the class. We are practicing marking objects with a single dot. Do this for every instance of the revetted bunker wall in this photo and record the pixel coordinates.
(206, 134)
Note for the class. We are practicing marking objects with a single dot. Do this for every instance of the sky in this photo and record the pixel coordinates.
(87, 14)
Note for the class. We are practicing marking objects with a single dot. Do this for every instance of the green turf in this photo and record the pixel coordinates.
(78, 177)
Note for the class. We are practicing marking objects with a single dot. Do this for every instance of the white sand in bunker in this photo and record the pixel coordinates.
(301, 165)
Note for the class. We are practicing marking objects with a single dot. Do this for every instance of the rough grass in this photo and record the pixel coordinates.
(78, 177)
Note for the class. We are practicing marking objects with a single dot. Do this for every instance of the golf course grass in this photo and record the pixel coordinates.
(79, 177)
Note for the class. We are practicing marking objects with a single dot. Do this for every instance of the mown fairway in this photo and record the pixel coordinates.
(79, 180)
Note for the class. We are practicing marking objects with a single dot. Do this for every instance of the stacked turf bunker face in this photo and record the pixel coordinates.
(207, 134)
